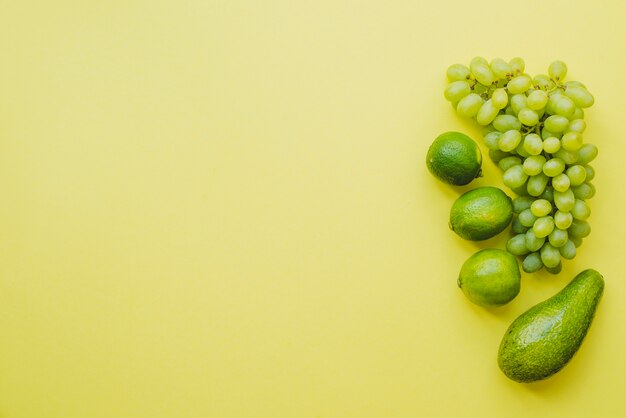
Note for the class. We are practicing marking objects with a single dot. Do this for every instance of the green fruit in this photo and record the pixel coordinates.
(543, 339)
(481, 213)
(491, 277)
(454, 158)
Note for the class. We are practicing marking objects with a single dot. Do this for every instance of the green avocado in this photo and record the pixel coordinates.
(542, 340)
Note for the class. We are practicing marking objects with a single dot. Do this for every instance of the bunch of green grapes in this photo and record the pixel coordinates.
(534, 131)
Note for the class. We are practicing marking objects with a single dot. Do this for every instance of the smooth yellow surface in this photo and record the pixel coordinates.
(221, 209)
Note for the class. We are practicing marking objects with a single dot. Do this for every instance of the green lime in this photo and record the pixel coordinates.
(454, 158)
(491, 277)
(481, 213)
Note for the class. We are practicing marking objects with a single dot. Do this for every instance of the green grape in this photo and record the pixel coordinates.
(581, 210)
(557, 70)
(561, 182)
(469, 105)
(591, 173)
(532, 241)
(517, 245)
(457, 72)
(558, 237)
(545, 134)
(543, 226)
(551, 145)
(505, 123)
(568, 250)
(533, 165)
(496, 155)
(533, 144)
(480, 89)
(518, 102)
(456, 90)
(519, 84)
(522, 203)
(500, 98)
(509, 140)
(520, 191)
(573, 83)
(556, 123)
(540, 208)
(563, 220)
(517, 227)
(550, 256)
(577, 174)
(487, 113)
(537, 99)
(537, 184)
(564, 201)
(543, 82)
(555, 270)
(509, 111)
(580, 96)
(526, 218)
(569, 157)
(478, 60)
(532, 263)
(528, 117)
(584, 192)
(553, 99)
(517, 65)
(514, 176)
(587, 153)
(565, 107)
(572, 141)
(541, 112)
(521, 151)
(576, 241)
(578, 114)
(491, 139)
(548, 194)
(577, 125)
(508, 162)
(500, 68)
(482, 73)
(553, 167)
(579, 229)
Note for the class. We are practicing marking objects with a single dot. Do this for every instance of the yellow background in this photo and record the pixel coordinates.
(221, 209)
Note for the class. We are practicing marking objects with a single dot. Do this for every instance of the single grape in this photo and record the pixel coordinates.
(543, 226)
(509, 140)
(518, 102)
(547, 194)
(500, 68)
(579, 229)
(533, 165)
(528, 117)
(556, 123)
(456, 90)
(569, 157)
(580, 96)
(577, 125)
(532, 263)
(537, 184)
(457, 72)
(533, 144)
(487, 113)
(517, 245)
(561, 182)
(581, 210)
(555, 270)
(585, 191)
(519, 84)
(491, 139)
(522, 203)
(509, 111)
(576, 241)
(545, 134)
(517, 65)
(517, 227)
(540, 208)
(532, 241)
(568, 250)
(520, 191)
(543, 82)
(537, 99)
(577, 174)
(496, 155)
(591, 173)
(478, 60)
(521, 151)
(505, 123)
(551, 145)
(572, 141)
(578, 114)
(550, 255)
(514, 176)
(500, 98)
(558, 237)
(557, 70)
(469, 105)
(587, 153)
(565, 107)
(508, 162)
(526, 218)
(573, 83)
(564, 201)
(553, 98)
(563, 220)
(553, 167)
(482, 73)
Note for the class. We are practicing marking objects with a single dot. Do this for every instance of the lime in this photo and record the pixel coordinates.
(491, 277)
(454, 158)
(481, 213)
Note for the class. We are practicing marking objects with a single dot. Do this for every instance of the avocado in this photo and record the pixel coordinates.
(543, 339)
